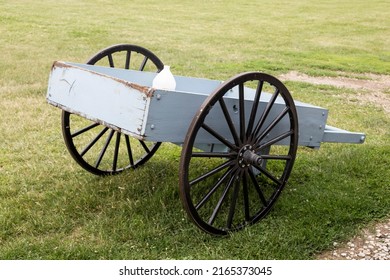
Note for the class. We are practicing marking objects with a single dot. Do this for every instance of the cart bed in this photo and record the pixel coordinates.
(125, 101)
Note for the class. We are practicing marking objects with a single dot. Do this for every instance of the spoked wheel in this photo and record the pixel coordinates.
(97, 148)
(250, 123)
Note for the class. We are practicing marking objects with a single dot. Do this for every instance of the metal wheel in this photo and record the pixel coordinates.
(253, 136)
(97, 148)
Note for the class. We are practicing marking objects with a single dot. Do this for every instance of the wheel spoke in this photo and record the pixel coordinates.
(213, 189)
(255, 106)
(110, 60)
(241, 101)
(257, 187)
(129, 152)
(229, 121)
(222, 198)
(85, 129)
(103, 151)
(211, 172)
(93, 142)
(268, 174)
(116, 151)
(275, 140)
(265, 113)
(142, 67)
(218, 136)
(144, 146)
(276, 157)
(233, 202)
(128, 57)
(245, 194)
(273, 124)
(213, 155)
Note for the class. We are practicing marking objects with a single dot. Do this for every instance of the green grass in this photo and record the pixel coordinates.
(52, 209)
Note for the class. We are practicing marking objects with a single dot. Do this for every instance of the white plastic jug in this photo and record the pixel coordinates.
(164, 79)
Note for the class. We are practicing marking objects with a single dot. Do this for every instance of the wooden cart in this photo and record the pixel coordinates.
(239, 138)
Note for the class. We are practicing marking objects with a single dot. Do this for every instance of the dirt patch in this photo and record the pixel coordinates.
(371, 88)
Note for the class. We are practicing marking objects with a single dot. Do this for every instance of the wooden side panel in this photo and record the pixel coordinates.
(172, 112)
(113, 102)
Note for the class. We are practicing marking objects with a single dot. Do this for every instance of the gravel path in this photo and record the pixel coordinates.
(370, 245)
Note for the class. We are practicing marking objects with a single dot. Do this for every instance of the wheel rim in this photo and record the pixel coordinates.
(235, 181)
(97, 148)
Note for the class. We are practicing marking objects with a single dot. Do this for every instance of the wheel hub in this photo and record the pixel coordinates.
(247, 157)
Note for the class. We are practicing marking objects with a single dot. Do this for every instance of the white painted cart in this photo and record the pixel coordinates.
(239, 138)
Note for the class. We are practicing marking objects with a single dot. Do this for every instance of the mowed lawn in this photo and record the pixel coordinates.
(51, 208)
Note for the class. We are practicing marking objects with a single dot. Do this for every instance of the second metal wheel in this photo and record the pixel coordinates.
(234, 179)
(97, 148)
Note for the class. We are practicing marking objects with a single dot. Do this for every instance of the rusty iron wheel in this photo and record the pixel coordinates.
(234, 181)
(97, 148)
